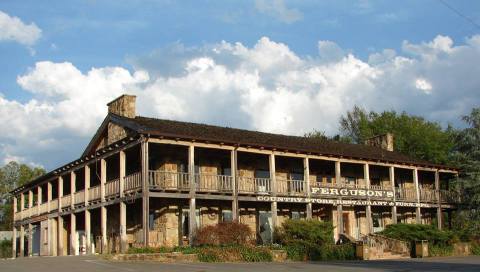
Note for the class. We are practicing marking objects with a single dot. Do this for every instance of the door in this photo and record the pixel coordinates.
(346, 224)
(265, 227)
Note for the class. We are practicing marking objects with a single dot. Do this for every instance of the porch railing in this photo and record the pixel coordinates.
(213, 183)
(66, 201)
(250, 185)
(94, 193)
(428, 195)
(133, 182)
(79, 197)
(112, 188)
(43, 208)
(291, 187)
(405, 194)
(165, 180)
(54, 205)
(450, 196)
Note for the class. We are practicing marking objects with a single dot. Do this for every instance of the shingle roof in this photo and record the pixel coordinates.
(203, 132)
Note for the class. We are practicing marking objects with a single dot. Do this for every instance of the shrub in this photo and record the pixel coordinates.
(224, 233)
(475, 248)
(141, 250)
(234, 253)
(417, 232)
(437, 250)
(333, 252)
(5, 248)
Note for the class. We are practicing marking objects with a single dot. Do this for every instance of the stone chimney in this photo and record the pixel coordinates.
(384, 141)
(123, 106)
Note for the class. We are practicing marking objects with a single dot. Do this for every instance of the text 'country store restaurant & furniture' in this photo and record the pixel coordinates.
(150, 182)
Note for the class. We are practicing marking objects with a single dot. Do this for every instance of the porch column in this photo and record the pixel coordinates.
(273, 180)
(30, 239)
(391, 172)
(145, 192)
(192, 223)
(60, 193)
(14, 241)
(417, 192)
(22, 205)
(39, 198)
(30, 201)
(233, 167)
(22, 241)
(306, 176)
(73, 234)
(86, 175)
(60, 219)
(123, 205)
(338, 180)
(73, 189)
(368, 209)
(88, 231)
(103, 226)
(49, 196)
(439, 201)
(103, 178)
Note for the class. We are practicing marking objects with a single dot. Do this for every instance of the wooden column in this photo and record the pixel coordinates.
(145, 192)
(60, 194)
(22, 202)
(123, 205)
(103, 227)
(273, 180)
(103, 178)
(368, 208)
(60, 219)
(88, 231)
(86, 175)
(391, 173)
(417, 192)
(439, 202)
(306, 176)
(39, 198)
(14, 241)
(49, 196)
(338, 180)
(73, 189)
(30, 239)
(73, 234)
(30, 199)
(233, 167)
(192, 203)
(22, 241)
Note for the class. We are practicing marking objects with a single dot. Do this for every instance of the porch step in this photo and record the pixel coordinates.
(391, 256)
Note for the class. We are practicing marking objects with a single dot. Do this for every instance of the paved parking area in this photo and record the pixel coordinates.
(92, 264)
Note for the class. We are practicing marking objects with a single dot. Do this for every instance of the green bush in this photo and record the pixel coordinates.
(224, 233)
(333, 252)
(438, 250)
(143, 250)
(6, 249)
(475, 248)
(234, 253)
(417, 232)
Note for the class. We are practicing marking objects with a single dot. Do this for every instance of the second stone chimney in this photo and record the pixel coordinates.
(384, 141)
(123, 106)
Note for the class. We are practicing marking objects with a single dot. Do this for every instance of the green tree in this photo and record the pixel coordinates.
(413, 135)
(13, 175)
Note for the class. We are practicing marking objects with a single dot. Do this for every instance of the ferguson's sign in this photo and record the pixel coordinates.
(347, 192)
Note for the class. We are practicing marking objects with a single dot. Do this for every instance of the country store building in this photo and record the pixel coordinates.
(151, 182)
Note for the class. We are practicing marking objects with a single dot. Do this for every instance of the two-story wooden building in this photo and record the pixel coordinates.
(150, 182)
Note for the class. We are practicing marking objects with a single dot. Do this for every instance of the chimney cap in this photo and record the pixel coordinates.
(120, 97)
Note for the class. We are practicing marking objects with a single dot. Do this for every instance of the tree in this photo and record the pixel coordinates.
(413, 135)
(13, 175)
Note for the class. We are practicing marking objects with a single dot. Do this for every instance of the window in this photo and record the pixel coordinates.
(262, 174)
(350, 181)
(227, 216)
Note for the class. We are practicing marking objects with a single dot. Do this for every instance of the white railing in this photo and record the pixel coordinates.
(250, 185)
(133, 182)
(79, 198)
(112, 187)
(94, 193)
(213, 183)
(43, 208)
(66, 201)
(291, 187)
(164, 180)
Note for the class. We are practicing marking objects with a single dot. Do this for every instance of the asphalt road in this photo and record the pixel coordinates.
(93, 264)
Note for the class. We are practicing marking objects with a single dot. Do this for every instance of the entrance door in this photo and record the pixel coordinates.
(346, 224)
(265, 226)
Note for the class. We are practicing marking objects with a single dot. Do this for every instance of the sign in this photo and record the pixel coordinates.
(353, 192)
(345, 202)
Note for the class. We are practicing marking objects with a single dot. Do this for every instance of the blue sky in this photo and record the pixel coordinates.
(372, 53)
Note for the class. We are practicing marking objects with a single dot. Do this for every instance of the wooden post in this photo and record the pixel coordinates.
(103, 227)
(60, 235)
(87, 183)
(273, 180)
(338, 180)
(306, 176)
(88, 231)
(233, 167)
(439, 202)
(30, 239)
(73, 189)
(417, 191)
(391, 172)
(103, 178)
(49, 195)
(39, 198)
(14, 236)
(192, 203)
(123, 205)
(145, 192)
(60, 195)
(73, 234)
(368, 210)
(22, 241)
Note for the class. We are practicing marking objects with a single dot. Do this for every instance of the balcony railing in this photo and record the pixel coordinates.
(79, 198)
(405, 194)
(54, 205)
(250, 185)
(163, 180)
(449, 196)
(133, 182)
(94, 193)
(428, 195)
(291, 187)
(43, 208)
(66, 201)
(213, 183)
(112, 188)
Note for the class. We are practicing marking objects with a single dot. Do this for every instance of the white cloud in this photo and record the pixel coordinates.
(265, 87)
(13, 29)
(278, 10)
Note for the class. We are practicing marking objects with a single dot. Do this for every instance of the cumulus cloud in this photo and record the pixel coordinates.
(13, 29)
(266, 87)
(278, 9)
